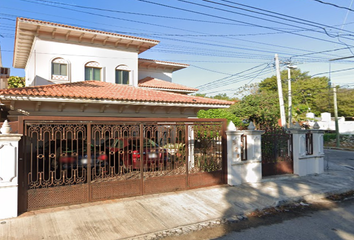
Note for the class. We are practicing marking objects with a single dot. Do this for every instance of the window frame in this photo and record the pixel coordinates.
(121, 76)
(94, 66)
(61, 62)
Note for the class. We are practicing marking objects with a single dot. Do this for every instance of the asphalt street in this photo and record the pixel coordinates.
(336, 223)
(339, 158)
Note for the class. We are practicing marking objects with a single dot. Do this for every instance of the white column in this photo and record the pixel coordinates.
(318, 150)
(249, 170)
(307, 164)
(299, 150)
(8, 174)
(190, 147)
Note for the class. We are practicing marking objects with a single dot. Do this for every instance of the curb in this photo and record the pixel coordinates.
(337, 148)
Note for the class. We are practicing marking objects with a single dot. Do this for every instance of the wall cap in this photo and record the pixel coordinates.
(10, 137)
(253, 132)
(246, 162)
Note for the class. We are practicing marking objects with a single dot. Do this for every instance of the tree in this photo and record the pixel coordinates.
(16, 82)
(220, 113)
(307, 91)
(261, 104)
(345, 102)
(260, 107)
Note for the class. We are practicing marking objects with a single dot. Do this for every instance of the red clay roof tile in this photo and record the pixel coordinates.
(97, 90)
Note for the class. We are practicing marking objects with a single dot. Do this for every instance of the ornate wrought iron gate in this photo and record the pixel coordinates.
(82, 160)
(277, 152)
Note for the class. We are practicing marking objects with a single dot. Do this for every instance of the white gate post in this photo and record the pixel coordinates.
(318, 150)
(249, 170)
(8, 172)
(305, 164)
(299, 149)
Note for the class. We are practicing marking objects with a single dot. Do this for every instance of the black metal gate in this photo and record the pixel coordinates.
(277, 152)
(70, 161)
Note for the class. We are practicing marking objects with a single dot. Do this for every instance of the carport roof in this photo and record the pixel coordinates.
(97, 90)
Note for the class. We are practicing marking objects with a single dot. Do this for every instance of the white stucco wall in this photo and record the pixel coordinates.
(38, 68)
(155, 73)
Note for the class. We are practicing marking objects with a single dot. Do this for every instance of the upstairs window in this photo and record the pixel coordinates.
(59, 69)
(93, 71)
(122, 75)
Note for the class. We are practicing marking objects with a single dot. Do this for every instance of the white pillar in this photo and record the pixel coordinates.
(307, 164)
(190, 147)
(8, 174)
(299, 150)
(318, 149)
(249, 170)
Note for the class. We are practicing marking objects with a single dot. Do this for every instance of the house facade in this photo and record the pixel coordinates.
(63, 63)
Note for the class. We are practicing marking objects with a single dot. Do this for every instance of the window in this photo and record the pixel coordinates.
(93, 71)
(59, 69)
(122, 76)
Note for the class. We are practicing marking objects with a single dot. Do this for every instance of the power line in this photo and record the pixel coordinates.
(334, 5)
(335, 71)
(325, 31)
(292, 18)
(238, 39)
(226, 80)
(234, 20)
(125, 12)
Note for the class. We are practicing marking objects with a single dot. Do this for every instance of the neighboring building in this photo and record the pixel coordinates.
(326, 122)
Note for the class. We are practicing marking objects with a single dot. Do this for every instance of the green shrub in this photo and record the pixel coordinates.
(329, 136)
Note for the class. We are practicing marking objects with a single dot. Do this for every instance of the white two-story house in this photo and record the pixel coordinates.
(63, 64)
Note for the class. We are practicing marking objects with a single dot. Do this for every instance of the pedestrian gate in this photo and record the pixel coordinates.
(71, 160)
(277, 152)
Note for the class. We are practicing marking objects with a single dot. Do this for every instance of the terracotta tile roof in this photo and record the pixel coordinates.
(83, 29)
(97, 90)
(150, 82)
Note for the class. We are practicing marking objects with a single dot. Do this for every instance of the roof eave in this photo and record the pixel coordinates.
(113, 102)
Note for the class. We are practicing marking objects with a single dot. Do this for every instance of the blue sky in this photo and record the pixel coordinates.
(226, 44)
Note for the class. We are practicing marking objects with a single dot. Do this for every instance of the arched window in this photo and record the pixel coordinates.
(59, 69)
(122, 74)
(93, 71)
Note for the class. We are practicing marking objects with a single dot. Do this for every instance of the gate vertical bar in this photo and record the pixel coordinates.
(186, 154)
(22, 168)
(141, 136)
(89, 136)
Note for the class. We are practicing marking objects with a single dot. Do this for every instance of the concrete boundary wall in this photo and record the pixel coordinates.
(8, 172)
(250, 170)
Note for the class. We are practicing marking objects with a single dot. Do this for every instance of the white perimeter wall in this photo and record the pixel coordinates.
(38, 69)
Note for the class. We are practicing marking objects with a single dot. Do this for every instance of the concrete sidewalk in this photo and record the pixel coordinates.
(154, 216)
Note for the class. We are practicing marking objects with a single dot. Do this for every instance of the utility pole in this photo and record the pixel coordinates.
(336, 114)
(289, 93)
(280, 92)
